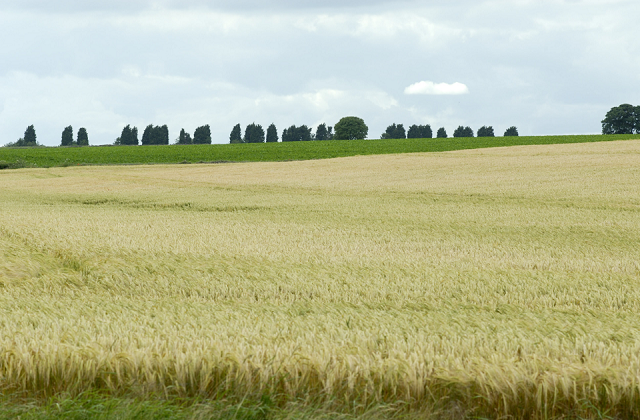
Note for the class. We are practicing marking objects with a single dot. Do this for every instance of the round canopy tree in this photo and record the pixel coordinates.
(623, 119)
(351, 128)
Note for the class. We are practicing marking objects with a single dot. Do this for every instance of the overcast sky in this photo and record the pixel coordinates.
(545, 66)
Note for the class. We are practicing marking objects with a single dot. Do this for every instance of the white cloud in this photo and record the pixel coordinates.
(430, 88)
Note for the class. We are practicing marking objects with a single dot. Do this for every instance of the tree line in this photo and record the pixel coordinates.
(622, 119)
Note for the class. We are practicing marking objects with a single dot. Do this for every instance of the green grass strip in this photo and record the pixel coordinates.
(265, 152)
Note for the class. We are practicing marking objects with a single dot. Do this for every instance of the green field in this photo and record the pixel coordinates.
(489, 283)
(272, 152)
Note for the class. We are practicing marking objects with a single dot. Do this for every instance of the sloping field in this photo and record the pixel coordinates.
(267, 152)
(488, 282)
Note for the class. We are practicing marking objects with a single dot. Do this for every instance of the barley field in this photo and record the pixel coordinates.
(501, 282)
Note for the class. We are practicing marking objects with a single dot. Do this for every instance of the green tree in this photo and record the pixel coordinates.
(394, 132)
(321, 132)
(272, 134)
(146, 135)
(623, 119)
(293, 133)
(485, 131)
(253, 133)
(236, 135)
(202, 135)
(442, 133)
(511, 132)
(128, 137)
(184, 137)
(420, 132)
(351, 128)
(463, 132)
(30, 136)
(67, 137)
(83, 137)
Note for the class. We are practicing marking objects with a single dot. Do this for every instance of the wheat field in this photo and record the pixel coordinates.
(494, 282)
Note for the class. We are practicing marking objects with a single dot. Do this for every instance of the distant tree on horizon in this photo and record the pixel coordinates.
(323, 133)
(253, 133)
(83, 137)
(485, 131)
(463, 132)
(420, 132)
(394, 132)
(155, 135)
(272, 134)
(184, 137)
(67, 137)
(511, 132)
(442, 133)
(202, 135)
(128, 137)
(351, 128)
(236, 135)
(622, 119)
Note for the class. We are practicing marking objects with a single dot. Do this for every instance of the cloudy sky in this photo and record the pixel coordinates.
(545, 66)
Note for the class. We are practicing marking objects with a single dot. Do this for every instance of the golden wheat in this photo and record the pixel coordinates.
(505, 281)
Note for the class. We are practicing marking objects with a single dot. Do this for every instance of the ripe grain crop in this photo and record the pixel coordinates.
(487, 282)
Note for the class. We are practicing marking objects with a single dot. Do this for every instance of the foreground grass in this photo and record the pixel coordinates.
(483, 283)
(107, 155)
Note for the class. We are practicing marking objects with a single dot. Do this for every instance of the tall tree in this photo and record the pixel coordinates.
(420, 132)
(442, 133)
(253, 133)
(83, 137)
(128, 137)
(147, 135)
(293, 133)
(485, 131)
(351, 128)
(463, 132)
(236, 135)
(184, 137)
(30, 136)
(394, 132)
(321, 132)
(623, 119)
(511, 132)
(272, 134)
(67, 137)
(202, 135)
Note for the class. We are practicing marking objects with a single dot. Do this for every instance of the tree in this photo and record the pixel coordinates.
(146, 135)
(129, 137)
(30, 136)
(236, 135)
(623, 119)
(162, 135)
(420, 132)
(67, 137)
(155, 135)
(184, 138)
(293, 133)
(83, 137)
(463, 132)
(253, 133)
(511, 132)
(202, 135)
(485, 131)
(351, 128)
(321, 132)
(394, 132)
(272, 134)
(442, 133)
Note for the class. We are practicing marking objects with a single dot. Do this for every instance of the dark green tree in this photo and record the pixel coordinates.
(128, 137)
(442, 133)
(511, 132)
(184, 137)
(202, 135)
(394, 132)
(83, 137)
(321, 132)
(30, 136)
(162, 135)
(236, 135)
(463, 132)
(293, 133)
(351, 128)
(420, 132)
(272, 134)
(67, 137)
(623, 119)
(485, 131)
(254, 133)
(147, 135)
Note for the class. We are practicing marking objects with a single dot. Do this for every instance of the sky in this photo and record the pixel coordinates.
(545, 66)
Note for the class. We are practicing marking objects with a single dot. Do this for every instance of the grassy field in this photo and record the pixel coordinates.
(475, 283)
(273, 152)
